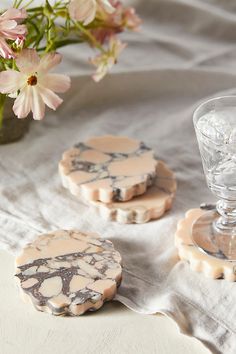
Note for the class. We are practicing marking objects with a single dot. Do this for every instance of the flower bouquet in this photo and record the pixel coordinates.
(30, 37)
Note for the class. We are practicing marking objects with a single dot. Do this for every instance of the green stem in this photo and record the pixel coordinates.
(29, 3)
(89, 35)
(18, 3)
(14, 66)
(34, 9)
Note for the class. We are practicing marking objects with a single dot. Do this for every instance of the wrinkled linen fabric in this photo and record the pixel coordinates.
(184, 54)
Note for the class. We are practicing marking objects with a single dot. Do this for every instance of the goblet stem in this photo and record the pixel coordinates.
(226, 223)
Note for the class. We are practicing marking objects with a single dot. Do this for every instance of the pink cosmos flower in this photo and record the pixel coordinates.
(116, 22)
(102, 35)
(131, 19)
(105, 61)
(112, 20)
(34, 84)
(122, 17)
(85, 10)
(10, 29)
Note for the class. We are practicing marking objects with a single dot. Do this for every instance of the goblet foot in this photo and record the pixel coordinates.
(213, 238)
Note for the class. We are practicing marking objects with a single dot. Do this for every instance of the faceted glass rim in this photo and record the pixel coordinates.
(205, 103)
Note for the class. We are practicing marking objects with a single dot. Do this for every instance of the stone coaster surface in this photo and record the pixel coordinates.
(199, 261)
(151, 205)
(108, 168)
(69, 272)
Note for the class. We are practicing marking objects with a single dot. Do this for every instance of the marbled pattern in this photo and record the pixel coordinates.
(69, 272)
(199, 261)
(151, 205)
(108, 168)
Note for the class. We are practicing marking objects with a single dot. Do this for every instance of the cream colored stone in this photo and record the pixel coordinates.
(105, 287)
(43, 269)
(79, 177)
(113, 144)
(113, 274)
(56, 247)
(51, 287)
(93, 190)
(79, 282)
(134, 166)
(30, 271)
(87, 268)
(60, 300)
(28, 283)
(71, 152)
(94, 156)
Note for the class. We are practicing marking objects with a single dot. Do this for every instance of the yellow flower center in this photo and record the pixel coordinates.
(32, 80)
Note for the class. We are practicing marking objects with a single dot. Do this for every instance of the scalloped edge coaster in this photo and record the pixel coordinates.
(68, 272)
(151, 205)
(199, 261)
(108, 168)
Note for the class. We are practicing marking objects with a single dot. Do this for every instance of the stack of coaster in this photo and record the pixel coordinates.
(120, 177)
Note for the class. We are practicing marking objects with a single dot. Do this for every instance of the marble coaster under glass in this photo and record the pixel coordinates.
(149, 206)
(206, 237)
(198, 245)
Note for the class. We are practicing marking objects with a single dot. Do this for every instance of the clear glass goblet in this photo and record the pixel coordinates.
(215, 126)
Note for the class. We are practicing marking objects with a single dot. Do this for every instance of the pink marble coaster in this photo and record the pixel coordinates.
(69, 272)
(199, 261)
(108, 168)
(151, 205)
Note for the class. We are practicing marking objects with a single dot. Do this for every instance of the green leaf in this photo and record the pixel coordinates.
(48, 10)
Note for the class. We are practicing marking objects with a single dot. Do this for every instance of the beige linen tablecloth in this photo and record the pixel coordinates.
(184, 54)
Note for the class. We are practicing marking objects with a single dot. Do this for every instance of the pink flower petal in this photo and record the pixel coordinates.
(14, 14)
(8, 25)
(83, 10)
(107, 6)
(50, 98)
(22, 105)
(132, 21)
(19, 31)
(5, 50)
(56, 82)
(37, 103)
(10, 81)
(28, 61)
(90, 18)
(48, 61)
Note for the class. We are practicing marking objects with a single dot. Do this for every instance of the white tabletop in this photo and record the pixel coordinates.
(113, 329)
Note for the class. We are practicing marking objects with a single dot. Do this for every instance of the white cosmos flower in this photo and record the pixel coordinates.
(35, 85)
